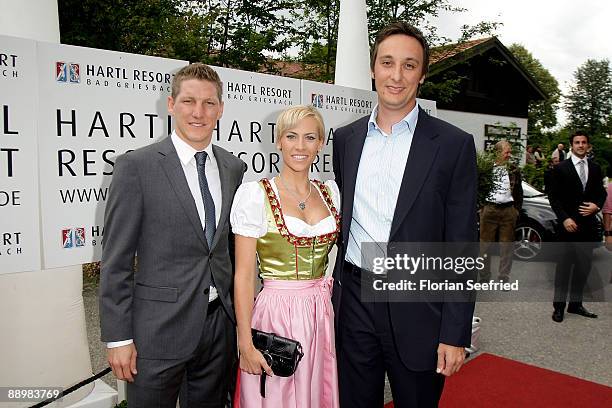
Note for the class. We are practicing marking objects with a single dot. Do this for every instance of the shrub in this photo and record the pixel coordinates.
(485, 162)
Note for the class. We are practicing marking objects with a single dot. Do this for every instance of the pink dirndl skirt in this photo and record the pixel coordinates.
(300, 310)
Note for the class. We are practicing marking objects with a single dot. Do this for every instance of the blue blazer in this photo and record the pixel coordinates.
(436, 203)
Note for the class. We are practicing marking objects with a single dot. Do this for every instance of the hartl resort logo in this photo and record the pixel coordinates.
(67, 72)
(316, 100)
(73, 237)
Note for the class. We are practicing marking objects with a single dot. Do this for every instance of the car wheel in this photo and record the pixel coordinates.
(528, 241)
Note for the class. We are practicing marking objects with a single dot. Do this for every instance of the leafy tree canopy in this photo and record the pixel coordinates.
(589, 102)
(542, 114)
(589, 106)
(237, 33)
(233, 33)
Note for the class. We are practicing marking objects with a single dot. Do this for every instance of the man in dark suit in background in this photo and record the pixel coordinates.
(576, 195)
(170, 326)
(404, 176)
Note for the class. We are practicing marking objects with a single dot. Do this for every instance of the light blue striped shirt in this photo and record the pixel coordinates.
(379, 178)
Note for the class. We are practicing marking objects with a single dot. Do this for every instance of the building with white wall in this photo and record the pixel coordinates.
(491, 90)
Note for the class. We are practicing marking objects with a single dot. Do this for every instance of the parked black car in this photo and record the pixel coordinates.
(537, 223)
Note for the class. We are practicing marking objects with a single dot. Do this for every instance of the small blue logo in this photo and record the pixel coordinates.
(67, 72)
(317, 100)
(73, 237)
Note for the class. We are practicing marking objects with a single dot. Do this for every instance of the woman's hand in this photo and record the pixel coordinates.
(252, 361)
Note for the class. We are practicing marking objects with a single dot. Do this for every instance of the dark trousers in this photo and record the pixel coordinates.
(579, 256)
(366, 350)
(202, 379)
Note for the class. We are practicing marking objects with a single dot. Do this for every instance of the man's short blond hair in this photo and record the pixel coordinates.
(291, 116)
(200, 71)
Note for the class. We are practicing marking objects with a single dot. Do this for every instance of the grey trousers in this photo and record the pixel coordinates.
(202, 379)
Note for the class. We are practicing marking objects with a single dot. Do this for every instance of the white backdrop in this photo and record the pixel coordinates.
(339, 106)
(252, 103)
(19, 222)
(94, 105)
(75, 109)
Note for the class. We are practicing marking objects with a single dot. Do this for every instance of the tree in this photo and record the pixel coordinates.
(383, 12)
(317, 22)
(151, 27)
(444, 89)
(542, 114)
(240, 34)
(318, 26)
(233, 33)
(487, 178)
(589, 102)
(249, 32)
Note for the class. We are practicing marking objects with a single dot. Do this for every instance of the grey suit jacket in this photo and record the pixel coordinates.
(150, 212)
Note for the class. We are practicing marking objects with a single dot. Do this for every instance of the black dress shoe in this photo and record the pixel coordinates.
(557, 316)
(580, 310)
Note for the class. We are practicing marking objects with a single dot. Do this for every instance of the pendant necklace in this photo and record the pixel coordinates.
(301, 203)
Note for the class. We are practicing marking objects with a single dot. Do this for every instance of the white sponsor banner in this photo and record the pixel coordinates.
(19, 216)
(97, 104)
(252, 103)
(428, 106)
(339, 106)
(94, 106)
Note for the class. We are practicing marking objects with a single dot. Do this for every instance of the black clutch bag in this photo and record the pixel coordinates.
(281, 354)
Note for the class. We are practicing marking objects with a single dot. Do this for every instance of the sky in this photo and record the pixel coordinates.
(561, 34)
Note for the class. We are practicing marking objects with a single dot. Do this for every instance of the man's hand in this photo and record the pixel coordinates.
(587, 208)
(123, 361)
(450, 359)
(570, 225)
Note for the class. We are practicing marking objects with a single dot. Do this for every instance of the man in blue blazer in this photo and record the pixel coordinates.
(404, 176)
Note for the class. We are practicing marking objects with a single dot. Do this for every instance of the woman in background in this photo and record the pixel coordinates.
(289, 225)
(529, 156)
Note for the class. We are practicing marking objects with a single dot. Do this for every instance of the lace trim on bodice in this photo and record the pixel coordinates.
(279, 218)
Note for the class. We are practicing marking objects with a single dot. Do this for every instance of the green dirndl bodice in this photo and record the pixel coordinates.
(283, 255)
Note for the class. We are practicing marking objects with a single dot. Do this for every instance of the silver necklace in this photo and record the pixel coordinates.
(301, 203)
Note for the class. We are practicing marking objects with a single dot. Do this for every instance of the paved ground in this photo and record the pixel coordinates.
(525, 332)
(96, 348)
(521, 331)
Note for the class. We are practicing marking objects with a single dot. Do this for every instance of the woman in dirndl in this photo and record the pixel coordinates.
(288, 225)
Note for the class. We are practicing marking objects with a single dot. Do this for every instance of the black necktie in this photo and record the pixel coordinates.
(209, 204)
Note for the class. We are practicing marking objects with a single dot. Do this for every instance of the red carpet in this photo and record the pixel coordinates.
(492, 381)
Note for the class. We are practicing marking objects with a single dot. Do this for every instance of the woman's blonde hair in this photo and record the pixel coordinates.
(291, 116)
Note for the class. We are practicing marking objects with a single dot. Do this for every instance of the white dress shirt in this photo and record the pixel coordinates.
(379, 178)
(575, 160)
(248, 215)
(501, 194)
(186, 155)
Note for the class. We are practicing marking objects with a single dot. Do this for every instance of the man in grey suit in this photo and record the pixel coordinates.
(170, 326)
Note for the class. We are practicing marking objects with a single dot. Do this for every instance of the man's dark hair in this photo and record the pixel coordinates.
(401, 27)
(579, 133)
